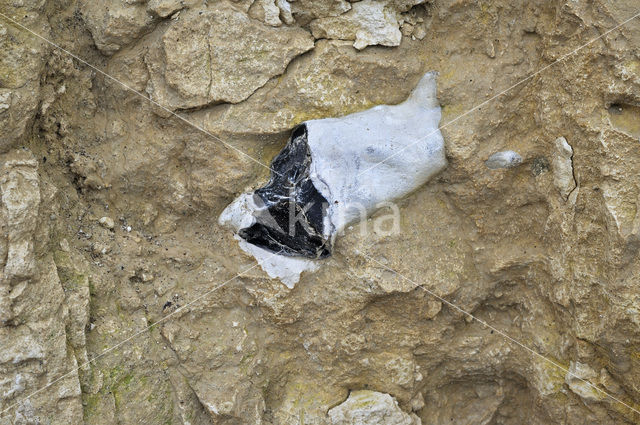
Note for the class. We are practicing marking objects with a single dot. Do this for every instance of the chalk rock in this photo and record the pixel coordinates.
(371, 408)
(115, 23)
(164, 8)
(369, 22)
(33, 312)
(266, 11)
(218, 54)
(285, 11)
(106, 222)
(335, 171)
(19, 201)
(306, 10)
(504, 159)
(21, 62)
(563, 167)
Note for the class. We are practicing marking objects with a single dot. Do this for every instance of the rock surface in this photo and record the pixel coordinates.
(368, 23)
(370, 408)
(116, 23)
(21, 65)
(217, 54)
(563, 168)
(38, 319)
(196, 333)
(503, 159)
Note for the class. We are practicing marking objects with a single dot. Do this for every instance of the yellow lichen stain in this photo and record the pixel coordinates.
(302, 116)
(361, 400)
(632, 67)
(625, 118)
(451, 112)
(554, 373)
(335, 110)
(485, 14)
(447, 75)
(624, 410)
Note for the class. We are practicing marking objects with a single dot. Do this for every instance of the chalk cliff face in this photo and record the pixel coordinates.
(122, 300)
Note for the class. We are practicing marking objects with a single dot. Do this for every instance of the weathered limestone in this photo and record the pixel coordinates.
(165, 8)
(33, 311)
(311, 9)
(21, 64)
(368, 23)
(503, 159)
(217, 54)
(563, 168)
(20, 197)
(266, 11)
(116, 23)
(575, 378)
(371, 408)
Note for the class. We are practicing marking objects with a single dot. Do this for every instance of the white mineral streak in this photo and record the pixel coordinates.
(358, 162)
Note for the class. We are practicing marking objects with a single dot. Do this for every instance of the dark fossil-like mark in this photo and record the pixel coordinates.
(293, 222)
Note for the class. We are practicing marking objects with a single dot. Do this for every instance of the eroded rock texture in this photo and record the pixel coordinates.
(545, 251)
(21, 66)
(227, 55)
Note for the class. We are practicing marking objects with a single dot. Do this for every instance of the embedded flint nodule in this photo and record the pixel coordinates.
(335, 171)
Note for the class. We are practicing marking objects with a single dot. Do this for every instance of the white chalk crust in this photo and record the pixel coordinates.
(381, 154)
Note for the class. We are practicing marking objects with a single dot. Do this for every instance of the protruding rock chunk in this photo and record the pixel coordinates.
(504, 159)
(563, 168)
(371, 408)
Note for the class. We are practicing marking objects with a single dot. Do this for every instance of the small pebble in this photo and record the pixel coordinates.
(107, 223)
(504, 159)
(64, 245)
(100, 249)
(145, 275)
